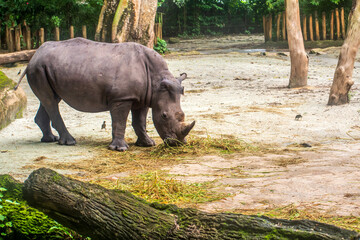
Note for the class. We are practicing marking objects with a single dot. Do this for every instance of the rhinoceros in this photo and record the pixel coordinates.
(117, 77)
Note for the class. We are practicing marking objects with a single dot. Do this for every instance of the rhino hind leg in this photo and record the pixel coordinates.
(42, 119)
(50, 102)
(139, 125)
(119, 112)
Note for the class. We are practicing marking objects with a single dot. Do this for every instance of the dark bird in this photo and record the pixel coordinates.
(103, 126)
(298, 117)
(19, 72)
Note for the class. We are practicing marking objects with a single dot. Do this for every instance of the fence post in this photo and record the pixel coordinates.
(332, 25)
(317, 29)
(57, 34)
(41, 36)
(84, 31)
(264, 27)
(305, 28)
(284, 25)
(278, 27)
(343, 30)
(337, 24)
(324, 25)
(17, 38)
(71, 31)
(311, 30)
(270, 27)
(28, 36)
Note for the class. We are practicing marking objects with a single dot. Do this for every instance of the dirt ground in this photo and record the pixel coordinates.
(233, 90)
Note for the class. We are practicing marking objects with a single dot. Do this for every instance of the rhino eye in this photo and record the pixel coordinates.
(164, 115)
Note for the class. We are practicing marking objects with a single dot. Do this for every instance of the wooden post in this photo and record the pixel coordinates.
(324, 25)
(332, 25)
(284, 25)
(278, 27)
(17, 38)
(57, 34)
(264, 27)
(41, 36)
(270, 27)
(337, 24)
(71, 31)
(311, 30)
(305, 28)
(9, 39)
(342, 17)
(84, 31)
(317, 29)
(28, 36)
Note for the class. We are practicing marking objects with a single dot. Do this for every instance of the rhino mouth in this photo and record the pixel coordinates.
(173, 142)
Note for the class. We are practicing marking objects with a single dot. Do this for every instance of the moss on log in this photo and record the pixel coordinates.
(12, 103)
(109, 214)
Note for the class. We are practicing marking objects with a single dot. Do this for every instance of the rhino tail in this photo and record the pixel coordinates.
(21, 77)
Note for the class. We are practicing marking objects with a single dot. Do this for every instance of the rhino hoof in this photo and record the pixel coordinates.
(50, 138)
(119, 145)
(67, 141)
(145, 143)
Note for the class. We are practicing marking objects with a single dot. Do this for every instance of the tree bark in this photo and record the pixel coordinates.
(298, 56)
(99, 213)
(278, 27)
(342, 81)
(127, 21)
(16, 56)
(342, 18)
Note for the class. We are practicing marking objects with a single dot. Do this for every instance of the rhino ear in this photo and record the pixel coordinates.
(182, 77)
(170, 86)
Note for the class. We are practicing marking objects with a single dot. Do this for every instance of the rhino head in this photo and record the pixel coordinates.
(168, 118)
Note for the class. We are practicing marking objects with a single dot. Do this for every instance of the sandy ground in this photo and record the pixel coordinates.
(231, 92)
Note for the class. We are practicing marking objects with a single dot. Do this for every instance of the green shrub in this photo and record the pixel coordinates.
(161, 46)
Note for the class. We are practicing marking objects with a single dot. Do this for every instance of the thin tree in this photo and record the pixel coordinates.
(343, 81)
(298, 56)
(127, 20)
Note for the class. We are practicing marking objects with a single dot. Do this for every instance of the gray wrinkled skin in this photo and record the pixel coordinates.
(94, 77)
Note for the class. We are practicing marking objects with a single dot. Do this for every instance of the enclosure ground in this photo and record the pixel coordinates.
(231, 92)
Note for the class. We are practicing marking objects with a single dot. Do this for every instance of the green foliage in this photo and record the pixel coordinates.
(161, 46)
(47, 14)
(20, 221)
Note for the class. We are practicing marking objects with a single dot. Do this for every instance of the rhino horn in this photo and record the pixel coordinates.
(182, 77)
(185, 131)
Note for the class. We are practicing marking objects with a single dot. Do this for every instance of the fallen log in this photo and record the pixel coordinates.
(100, 213)
(16, 56)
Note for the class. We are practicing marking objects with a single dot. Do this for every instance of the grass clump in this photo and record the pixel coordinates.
(160, 187)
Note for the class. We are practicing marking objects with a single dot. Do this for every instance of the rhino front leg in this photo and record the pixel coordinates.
(42, 119)
(139, 125)
(119, 112)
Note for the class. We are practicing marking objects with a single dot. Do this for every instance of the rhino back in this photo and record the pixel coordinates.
(89, 75)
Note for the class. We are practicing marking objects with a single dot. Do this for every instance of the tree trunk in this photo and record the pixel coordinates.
(343, 74)
(127, 21)
(278, 27)
(99, 213)
(16, 56)
(298, 56)
(342, 18)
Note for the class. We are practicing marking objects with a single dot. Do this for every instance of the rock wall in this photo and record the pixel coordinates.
(12, 103)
